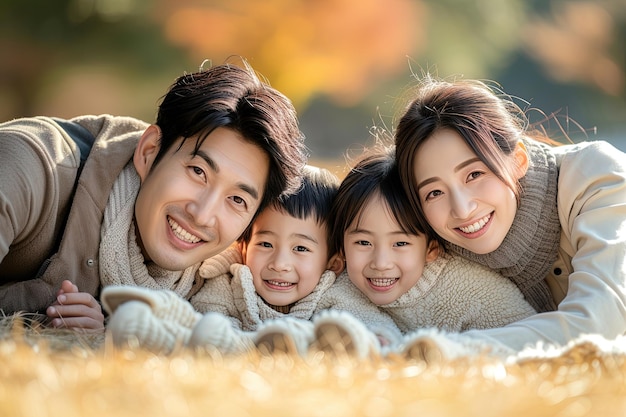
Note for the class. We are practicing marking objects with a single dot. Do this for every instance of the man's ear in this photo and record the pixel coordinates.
(521, 159)
(432, 252)
(146, 151)
(336, 264)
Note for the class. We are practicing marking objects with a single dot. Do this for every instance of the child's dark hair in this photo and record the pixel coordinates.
(314, 199)
(374, 175)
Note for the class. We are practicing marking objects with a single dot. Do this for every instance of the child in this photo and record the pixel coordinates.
(551, 219)
(391, 260)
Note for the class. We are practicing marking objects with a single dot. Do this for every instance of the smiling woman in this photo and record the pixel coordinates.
(541, 215)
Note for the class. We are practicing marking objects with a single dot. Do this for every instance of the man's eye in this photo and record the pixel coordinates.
(198, 171)
(239, 201)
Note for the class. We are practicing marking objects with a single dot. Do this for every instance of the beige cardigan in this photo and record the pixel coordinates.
(48, 232)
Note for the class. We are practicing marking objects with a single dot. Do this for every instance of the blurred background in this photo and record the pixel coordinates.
(344, 63)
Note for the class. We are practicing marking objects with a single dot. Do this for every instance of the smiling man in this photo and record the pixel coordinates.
(100, 200)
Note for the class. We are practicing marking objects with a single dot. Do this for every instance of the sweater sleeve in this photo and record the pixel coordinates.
(31, 209)
(477, 297)
(592, 210)
(343, 295)
(216, 295)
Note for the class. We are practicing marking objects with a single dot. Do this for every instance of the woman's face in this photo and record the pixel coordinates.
(464, 202)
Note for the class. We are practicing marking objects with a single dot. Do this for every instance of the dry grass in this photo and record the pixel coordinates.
(53, 373)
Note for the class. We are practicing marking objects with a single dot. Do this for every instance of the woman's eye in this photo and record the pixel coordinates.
(474, 175)
(433, 194)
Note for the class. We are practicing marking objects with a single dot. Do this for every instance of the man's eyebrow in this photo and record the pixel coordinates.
(254, 193)
(209, 161)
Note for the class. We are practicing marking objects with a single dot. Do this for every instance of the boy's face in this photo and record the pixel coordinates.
(381, 260)
(191, 207)
(286, 256)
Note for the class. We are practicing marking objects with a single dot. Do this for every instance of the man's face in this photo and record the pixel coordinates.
(191, 207)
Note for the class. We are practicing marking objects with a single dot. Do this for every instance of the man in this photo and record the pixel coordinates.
(110, 200)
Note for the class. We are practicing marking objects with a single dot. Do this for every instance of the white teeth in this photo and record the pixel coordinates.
(279, 283)
(476, 226)
(181, 233)
(382, 282)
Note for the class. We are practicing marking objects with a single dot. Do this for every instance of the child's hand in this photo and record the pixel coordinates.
(383, 340)
(75, 310)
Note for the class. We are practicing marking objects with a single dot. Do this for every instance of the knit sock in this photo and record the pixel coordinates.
(338, 333)
(216, 331)
(164, 304)
(286, 335)
(134, 325)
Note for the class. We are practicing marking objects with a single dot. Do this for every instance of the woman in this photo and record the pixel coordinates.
(550, 218)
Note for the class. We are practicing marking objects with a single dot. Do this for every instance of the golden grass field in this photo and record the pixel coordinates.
(48, 372)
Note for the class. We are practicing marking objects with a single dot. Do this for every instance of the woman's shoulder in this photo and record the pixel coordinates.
(581, 153)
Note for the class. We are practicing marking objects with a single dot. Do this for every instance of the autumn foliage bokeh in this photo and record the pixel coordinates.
(334, 47)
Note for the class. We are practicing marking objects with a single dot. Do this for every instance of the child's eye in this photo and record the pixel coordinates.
(301, 249)
(363, 243)
(400, 244)
(265, 244)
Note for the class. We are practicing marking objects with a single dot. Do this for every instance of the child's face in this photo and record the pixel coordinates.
(463, 201)
(382, 260)
(286, 256)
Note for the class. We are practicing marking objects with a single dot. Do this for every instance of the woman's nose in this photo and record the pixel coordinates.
(462, 203)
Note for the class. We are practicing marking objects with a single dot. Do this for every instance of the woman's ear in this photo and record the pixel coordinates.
(432, 252)
(336, 264)
(521, 159)
(146, 151)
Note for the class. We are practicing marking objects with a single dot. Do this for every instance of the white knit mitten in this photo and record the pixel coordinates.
(157, 320)
(434, 345)
(339, 333)
(286, 334)
(216, 331)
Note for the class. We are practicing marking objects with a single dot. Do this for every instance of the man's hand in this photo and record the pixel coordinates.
(75, 310)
